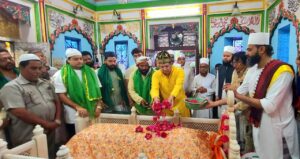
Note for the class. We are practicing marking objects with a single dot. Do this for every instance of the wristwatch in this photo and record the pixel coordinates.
(57, 121)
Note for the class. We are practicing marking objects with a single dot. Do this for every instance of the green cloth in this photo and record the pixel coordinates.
(85, 93)
(142, 87)
(3, 80)
(107, 87)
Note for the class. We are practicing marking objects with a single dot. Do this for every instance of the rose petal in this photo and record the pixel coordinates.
(148, 136)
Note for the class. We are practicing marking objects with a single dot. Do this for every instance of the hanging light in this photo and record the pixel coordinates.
(116, 16)
(235, 10)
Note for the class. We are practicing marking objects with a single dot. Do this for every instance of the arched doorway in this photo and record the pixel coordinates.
(122, 43)
(234, 38)
(68, 39)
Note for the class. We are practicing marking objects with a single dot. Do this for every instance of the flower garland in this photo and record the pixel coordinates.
(234, 24)
(161, 126)
(217, 140)
(119, 30)
(72, 26)
(284, 14)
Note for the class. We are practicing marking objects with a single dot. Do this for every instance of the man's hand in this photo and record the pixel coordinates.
(51, 125)
(144, 103)
(202, 90)
(97, 111)
(156, 100)
(227, 86)
(82, 112)
(236, 94)
(171, 99)
(5, 122)
(211, 104)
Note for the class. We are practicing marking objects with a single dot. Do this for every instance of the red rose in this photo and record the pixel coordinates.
(74, 22)
(224, 138)
(224, 117)
(148, 136)
(163, 134)
(225, 127)
(166, 104)
(139, 129)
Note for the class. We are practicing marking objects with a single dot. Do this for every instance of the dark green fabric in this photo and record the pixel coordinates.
(107, 88)
(3, 80)
(142, 87)
(85, 93)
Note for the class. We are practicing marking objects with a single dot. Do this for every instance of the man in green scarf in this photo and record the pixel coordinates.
(77, 86)
(113, 86)
(8, 70)
(139, 86)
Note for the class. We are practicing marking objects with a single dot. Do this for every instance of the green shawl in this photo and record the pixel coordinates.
(142, 87)
(107, 86)
(85, 93)
(3, 80)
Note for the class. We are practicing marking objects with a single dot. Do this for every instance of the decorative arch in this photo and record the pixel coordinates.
(233, 25)
(284, 14)
(73, 26)
(119, 30)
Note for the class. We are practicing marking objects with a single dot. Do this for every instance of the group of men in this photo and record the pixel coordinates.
(265, 89)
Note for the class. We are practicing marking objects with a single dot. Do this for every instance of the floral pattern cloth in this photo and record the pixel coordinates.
(118, 141)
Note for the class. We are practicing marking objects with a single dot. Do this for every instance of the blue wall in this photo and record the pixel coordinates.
(110, 46)
(217, 50)
(291, 51)
(59, 46)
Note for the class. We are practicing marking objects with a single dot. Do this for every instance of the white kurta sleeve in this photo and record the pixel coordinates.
(212, 86)
(58, 83)
(244, 87)
(277, 93)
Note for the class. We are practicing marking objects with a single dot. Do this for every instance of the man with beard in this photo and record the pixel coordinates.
(8, 70)
(188, 74)
(167, 84)
(139, 86)
(223, 75)
(78, 88)
(87, 59)
(203, 86)
(269, 84)
(43, 58)
(113, 86)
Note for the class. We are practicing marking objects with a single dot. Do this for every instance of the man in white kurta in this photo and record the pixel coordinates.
(188, 74)
(275, 133)
(203, 86)
(277, 128)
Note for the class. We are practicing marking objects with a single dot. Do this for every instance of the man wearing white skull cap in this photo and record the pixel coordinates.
(223, 75)
(269, 84)
(29, 101)
(78, 88)
(203, 86)
(180, 61)
(139, 86)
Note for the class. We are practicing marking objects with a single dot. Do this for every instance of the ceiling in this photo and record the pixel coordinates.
(113, 2)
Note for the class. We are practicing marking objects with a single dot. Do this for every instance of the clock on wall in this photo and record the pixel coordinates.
(176, 39)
